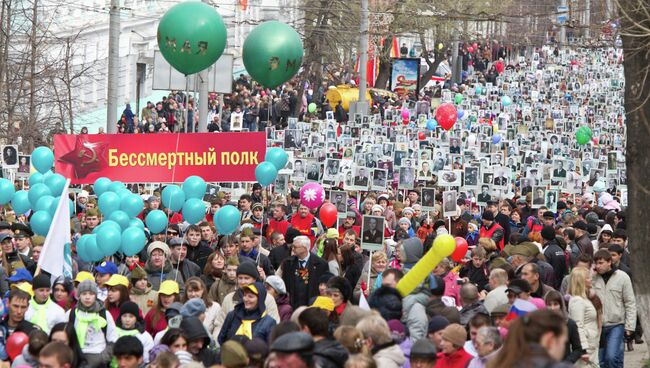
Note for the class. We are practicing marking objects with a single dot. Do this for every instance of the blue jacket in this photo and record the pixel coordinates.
(262, 325)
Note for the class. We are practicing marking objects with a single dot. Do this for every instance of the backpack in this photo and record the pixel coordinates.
(284, 104)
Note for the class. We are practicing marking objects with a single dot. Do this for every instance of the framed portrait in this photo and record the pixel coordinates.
(449, 205)
(372, 233)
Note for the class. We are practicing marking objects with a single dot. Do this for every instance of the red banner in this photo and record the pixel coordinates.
(159, 158)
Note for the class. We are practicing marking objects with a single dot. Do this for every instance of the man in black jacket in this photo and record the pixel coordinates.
(301, 272)
(197, 249)
(198, 341)
(555, 256)
(328, 353)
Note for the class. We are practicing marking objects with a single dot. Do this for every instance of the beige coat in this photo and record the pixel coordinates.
(584, 314)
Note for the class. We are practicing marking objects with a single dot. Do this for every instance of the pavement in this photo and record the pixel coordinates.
(637, 358)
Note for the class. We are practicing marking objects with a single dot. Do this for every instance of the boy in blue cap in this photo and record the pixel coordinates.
(103, 273)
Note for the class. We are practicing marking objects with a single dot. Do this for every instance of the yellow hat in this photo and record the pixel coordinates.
(169, 287)
(117, 280)
(252, 288)
(84, 275)
(324, 302)
(24, 286)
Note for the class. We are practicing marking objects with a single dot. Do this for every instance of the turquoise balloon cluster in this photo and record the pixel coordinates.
(274, 160)
(43, 196)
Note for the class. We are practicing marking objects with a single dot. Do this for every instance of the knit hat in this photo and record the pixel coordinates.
(325, 277)
(404, 220)
(233, 355)
(341, 284)
(580, 225)
(324, 302)
(276, 283)
(408, 210)
(41, 281)
(377, 208)
(455, 334)
(437, 323)
(138, 273)
(157, 349)
(130, 308)
(248, 268)
(158, 245)
(423, 349)
(193, 308)
(488, 215)
(87, 285)
(548, 233)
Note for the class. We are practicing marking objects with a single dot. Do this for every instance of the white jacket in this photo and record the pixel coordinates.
(390, 357)
(54, 314)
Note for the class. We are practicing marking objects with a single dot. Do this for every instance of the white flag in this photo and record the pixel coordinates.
(363, 303)
(56, 257)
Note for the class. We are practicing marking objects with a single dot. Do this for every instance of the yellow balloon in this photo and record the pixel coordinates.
(495, 128)
(440, 46)
(443, 246)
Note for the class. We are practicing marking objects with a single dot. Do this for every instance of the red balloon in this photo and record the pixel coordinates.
(461, 249)
(15, 344)
(470, 49)
(446, 115)
(422, 136)
(328, 214)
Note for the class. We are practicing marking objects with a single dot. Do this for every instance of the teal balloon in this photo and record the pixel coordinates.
(35, 178)
(479, 90)
(191, 36)
(194, 210)
(194, 187)
(458, 98)
(109, 240)
(121, 218)
(173, 197)
(311, 107)
(40, 222)
(277, 156)
(506, 100)
(102, 186)
(45, 203)
(55, 204)
(20, 202)
(116, 186)
(156, 221)
(92, 248)
(109, 202)
(432, 124)
(42, 159)
(133, 241)
(265, 173)
(272, 53)
(136, 222)
(56, 183)
(36, 192)
(82, 248)
(111, 223)
(7, 191)
(227, 220)
(132, 204)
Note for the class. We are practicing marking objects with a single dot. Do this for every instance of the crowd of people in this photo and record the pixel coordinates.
(545, 280)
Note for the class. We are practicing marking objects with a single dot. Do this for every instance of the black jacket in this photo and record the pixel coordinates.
(316, 266)
(330, 354)
(193, 329)
(556, 257)
(199, 254)
(278, 254)
(573, 350)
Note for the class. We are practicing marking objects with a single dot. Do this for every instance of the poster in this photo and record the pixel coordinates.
(405, 75)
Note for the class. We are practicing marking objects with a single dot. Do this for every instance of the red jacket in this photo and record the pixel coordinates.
(487, 233)
(304, 225)
(458, 359)
(275, 225)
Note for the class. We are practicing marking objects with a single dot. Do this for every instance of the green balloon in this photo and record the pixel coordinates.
(191, 36)
(311, 107)
(583, 135)
(458, 98)
(272, 53)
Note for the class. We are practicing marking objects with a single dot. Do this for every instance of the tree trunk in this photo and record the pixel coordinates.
(30, 130)
(385, 64)
(636, 41)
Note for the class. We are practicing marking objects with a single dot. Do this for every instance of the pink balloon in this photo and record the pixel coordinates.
(312, 195)
(470, 49)
(405, 113)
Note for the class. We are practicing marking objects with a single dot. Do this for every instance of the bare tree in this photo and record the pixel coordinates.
(635, 33)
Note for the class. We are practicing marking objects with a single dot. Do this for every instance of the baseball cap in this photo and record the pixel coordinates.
(21, 274)
(518, 286)
(107, 267)
(169, 287)
(24, 286)
(84, 275)
(5, 236)
(117, 279)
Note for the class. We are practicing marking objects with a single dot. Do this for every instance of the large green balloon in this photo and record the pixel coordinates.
(272, 53)
(583, 135)
(191, 36)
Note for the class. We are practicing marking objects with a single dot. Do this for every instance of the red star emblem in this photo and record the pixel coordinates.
(86, 157)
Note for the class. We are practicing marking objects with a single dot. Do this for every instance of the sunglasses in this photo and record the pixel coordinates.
(172, 233)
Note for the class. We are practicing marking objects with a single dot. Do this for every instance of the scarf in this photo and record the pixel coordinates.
(252, 254)
(246, 327)
(85, 319)
(378, 281)
(122, 332)
(40, 313)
